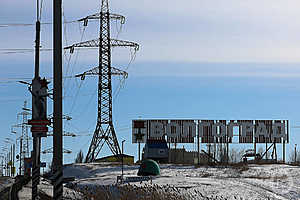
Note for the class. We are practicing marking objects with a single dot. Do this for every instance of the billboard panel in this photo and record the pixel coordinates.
(181, 131)
(246, 131)
(139, 131)
(205, 131)
(174, 131)
(269, 131)
(157, 129)
(214, 131)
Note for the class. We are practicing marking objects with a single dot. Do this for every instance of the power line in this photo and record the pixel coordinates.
(14, 51)
(41, 9)
(31, 24)
(17, 80)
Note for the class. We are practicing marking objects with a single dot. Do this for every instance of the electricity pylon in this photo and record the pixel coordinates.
(24, 138)
(104, 132)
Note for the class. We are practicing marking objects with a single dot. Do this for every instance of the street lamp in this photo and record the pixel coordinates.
(123, 158)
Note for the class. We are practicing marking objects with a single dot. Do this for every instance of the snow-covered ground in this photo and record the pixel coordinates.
(245, 182)
(5, 182)
(46, 188)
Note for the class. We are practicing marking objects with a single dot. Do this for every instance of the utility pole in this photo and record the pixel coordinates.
(35, 112)
(35, 116)
(6, 164)
(104, 131)
(57, 95)
(123, 159)
(39, 119)
(295, 154)
(13, 160)
(10, 161)
(20, 157)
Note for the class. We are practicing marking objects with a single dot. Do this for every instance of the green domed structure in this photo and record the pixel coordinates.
(149, 168)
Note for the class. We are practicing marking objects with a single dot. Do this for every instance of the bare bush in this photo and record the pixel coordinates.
(292, 156)
(79, 157)
(235, 155)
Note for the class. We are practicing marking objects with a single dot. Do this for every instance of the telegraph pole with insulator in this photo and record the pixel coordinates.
(39, 121)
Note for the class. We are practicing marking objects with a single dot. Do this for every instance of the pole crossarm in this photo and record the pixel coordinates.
(98, 16)
(96, 71)
(123, 43)
(96, 43)
(66, 117)
(50, 150)
(64, 134)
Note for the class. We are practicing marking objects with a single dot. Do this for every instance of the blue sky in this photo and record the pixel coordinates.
(202, 59)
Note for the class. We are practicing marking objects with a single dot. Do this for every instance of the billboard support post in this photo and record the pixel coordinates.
(283, 151)
(227, 149)
(139, 141)
(266, 150)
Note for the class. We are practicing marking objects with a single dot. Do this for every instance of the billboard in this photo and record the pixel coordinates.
(210, 131)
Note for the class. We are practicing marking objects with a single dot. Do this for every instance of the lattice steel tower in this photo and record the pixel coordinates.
(104, 132)
(24, 138)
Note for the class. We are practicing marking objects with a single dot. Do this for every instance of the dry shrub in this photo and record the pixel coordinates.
(205, 174)
(243, 168)
(275, 178)
(240, 167)
(132, 192)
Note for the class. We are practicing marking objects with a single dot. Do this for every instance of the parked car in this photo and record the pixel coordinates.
(156, 150)
(250, 153)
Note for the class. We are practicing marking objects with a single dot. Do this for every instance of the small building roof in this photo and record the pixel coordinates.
(113, 156)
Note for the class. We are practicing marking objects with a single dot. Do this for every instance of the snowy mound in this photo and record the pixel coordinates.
(242, 182)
